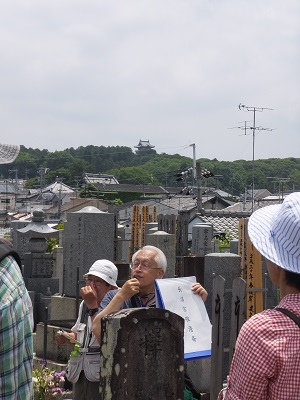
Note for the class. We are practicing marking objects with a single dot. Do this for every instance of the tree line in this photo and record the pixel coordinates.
(42, 167)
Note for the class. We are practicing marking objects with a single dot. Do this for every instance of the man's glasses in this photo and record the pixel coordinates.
(144, 266)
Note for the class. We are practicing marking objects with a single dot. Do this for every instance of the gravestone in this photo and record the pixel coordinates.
(123, 272)
(122, 245)
(202, 235)
(20, 242)
(228, 266)
(151, 227)
(166, 243)
(234, 246)
(193, 266)
(58, 265)
(142, 355)
(89, 235)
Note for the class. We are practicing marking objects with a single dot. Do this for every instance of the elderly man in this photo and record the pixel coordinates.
(82, 370)
(148, 263)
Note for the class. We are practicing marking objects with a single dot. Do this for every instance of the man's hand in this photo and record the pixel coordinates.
(198, 289)
(60, 339)
(129, 289)
(89, 296)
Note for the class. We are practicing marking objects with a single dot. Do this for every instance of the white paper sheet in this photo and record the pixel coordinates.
(175, 294)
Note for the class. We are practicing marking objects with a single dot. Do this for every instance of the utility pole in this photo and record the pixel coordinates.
(253, 128)
(194, 163)
(16, 177)
(42, 172)
(199, 190)
(59, 180)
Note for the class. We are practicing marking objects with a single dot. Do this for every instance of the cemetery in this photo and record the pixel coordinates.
(54, 280)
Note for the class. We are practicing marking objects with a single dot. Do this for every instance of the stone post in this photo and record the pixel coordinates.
(142, 355)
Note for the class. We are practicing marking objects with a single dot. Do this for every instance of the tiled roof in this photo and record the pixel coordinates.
(224, 224)
(58, 187)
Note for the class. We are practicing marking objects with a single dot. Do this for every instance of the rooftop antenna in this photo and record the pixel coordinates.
(281, 183)
(253, 129)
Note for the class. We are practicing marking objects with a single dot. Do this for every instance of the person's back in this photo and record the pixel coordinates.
(16, 324)
(267, 356)
(266, 361)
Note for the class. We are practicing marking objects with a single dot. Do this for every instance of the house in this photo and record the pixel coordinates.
(50, 196)
(8, 195)
(74, 204)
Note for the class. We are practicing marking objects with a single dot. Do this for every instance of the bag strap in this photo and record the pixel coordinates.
(84, 319)
(84, 314)
(289, 314)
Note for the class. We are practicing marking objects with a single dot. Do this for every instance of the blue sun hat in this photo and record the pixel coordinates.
(275, 232)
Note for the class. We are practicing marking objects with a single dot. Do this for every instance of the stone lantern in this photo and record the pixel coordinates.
(37, 263)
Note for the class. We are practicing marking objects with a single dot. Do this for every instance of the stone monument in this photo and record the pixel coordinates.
(89, 235)
(142, 355)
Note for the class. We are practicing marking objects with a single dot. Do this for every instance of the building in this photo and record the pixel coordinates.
(143, 145)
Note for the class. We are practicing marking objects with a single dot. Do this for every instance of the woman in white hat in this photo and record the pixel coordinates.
(266, 362)
(83, 369)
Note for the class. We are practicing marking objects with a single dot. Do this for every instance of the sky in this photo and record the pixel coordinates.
(174, 72)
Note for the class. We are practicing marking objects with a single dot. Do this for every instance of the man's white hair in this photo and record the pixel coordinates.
(160, 258)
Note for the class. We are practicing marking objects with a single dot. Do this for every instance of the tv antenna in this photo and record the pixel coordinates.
(253, 129)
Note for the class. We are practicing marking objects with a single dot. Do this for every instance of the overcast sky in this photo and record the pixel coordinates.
(93, 72)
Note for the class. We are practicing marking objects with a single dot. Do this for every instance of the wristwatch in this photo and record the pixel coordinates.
(93, 311)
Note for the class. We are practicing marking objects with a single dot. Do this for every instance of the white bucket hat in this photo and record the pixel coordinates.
(275, 232)
(105, 270)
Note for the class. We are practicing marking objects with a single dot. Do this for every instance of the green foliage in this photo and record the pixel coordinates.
(224, 239)
(90, 191)
(148, 167)
(117, 202)
(132, 175)
(32, 183)
(53, 242)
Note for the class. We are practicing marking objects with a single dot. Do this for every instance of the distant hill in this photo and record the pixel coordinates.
(148, 167)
